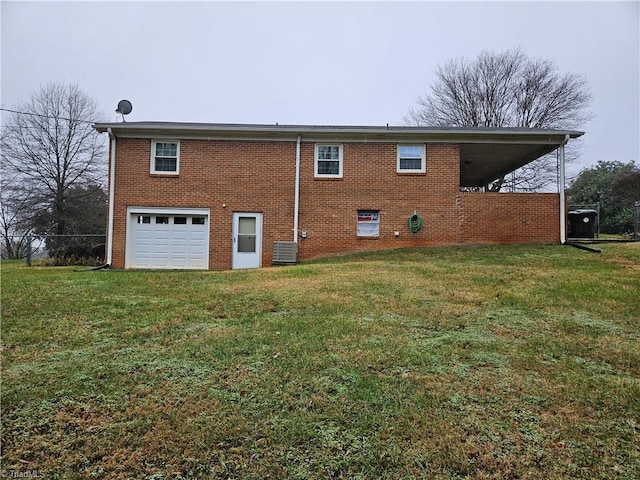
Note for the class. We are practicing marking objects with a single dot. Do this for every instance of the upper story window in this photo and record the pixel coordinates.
(328, 161)
(411, 159)
(165, 157)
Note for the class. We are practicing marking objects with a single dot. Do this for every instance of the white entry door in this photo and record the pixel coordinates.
(247, 240)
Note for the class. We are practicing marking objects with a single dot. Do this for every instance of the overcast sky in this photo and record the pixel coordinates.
(329, 63)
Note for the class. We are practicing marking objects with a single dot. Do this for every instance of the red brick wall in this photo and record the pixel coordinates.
(259, 176)
(328, 207)
(509, 217)
(244, 176)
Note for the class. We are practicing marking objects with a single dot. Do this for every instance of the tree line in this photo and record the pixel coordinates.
(615, 187)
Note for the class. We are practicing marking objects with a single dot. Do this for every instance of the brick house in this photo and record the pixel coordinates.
(219, 196)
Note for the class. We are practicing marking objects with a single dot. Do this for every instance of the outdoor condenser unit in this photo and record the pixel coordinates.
(285, 253)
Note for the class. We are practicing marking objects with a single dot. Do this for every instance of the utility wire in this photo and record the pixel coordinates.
(45, 116)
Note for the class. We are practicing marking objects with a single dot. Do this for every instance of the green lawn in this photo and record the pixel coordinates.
(445, 363)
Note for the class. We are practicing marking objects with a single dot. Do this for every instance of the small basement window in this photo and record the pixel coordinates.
(411, 159)
(368, 224)
(165, 157)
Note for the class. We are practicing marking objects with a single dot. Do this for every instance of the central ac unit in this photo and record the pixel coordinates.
(285, 253)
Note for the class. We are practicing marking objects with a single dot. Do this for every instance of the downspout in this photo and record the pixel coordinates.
(112, 188)
(561, 186)
(296, 200)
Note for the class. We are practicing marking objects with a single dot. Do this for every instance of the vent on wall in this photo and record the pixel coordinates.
(285, 253)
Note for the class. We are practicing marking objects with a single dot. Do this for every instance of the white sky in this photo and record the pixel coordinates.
(323, 63)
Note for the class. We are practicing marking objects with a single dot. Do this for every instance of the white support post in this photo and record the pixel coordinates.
(561, 187)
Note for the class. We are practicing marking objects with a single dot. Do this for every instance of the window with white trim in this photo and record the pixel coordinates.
(368, 224)
(165, 157)
(328, 161)
(411, 159)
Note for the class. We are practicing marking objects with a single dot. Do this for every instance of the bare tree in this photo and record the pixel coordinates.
(506, 89)
(49, 146)
(17, 207)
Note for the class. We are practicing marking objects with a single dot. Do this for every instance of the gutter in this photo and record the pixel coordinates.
(296, 200)
(561, 187)
(112, 188)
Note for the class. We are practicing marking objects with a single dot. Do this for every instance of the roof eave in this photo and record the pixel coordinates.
(426, 134)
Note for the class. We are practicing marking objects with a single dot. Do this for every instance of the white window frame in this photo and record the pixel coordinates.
(153, 157)
(339, 159)
(423, 158)
(372, 222)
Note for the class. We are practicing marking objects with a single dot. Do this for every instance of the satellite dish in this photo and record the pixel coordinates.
(124, 107)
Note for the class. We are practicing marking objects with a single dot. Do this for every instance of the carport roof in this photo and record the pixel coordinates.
(485, 153)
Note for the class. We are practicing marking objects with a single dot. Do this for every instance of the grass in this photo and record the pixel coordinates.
(445, 363)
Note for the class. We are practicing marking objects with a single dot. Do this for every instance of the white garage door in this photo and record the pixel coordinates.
(168, 239)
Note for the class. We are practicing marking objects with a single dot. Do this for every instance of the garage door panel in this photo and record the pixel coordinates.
(161, 235)
(162, 242)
